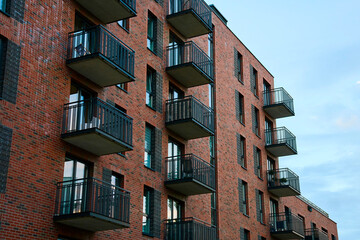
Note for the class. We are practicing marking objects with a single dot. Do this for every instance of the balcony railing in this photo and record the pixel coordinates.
(190, 17)
(190, 175)
(283, 182)
(108, 11)
(100, 56)
(280, 142)
(278, 103)
(97, 127)
(315, 234)
(189, 65)
(286, 226)
(189, 229)
(189, 118)
(92, 204)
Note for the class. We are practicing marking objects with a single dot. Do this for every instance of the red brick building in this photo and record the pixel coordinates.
(141, 120)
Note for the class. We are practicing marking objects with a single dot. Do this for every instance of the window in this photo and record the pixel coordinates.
(240, 113)
(243, 197)
(213, 209)
(146, 211)
(241, 150)
(149, 155)
(3, 5)
(123, 86)
(151, 36)
(333, 237)
(257, 162)
(211, 96)
(175, 93)
(124, 24)
(253, 80)
(211, 45)
(2, 62)
(324, 230)
(124, 111)
(174, 209)
(273, 207)
(255, 120)
(246, 234)
(151, 212)
(303, 220)
(238, 66)
(259, 205)
(212, 149)
(117, 180)
(150, 87)
(267, 88)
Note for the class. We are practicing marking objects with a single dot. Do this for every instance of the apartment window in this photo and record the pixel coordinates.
(254, 80)
(123, 86)
(150, 87)
(151, 36)
(255, 120)
(261, 238)
(244, 234)
(238, 66)
(211, 45)
(211, 96)
(174, 209)
(324, 230)
(241, 149)
(257, 162)
(243, 196)
(302, 218)
(151, 212)
(213, 209)
(149, 155)
(3, 5)
(333, 237)
(259, 205)
(124, 24)
(146, 211)
(117, 180)
(212, 149)
(2, 62)
(267, 96)
(239, 105)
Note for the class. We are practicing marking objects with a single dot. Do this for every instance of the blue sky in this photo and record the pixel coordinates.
(313, 50)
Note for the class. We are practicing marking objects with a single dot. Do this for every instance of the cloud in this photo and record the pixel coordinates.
(358, 82)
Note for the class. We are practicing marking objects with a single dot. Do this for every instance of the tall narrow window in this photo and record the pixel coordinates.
(151, 212)
(267, 96)
(333, 237)
(175, 93)
(239, 107)
(124, 24)
(212, 149)
(254, 80)
(149, 155)
(175, 209)
(146, 211)
(239, 67)
(257, 162)
(150, 87)
(243, 197)
(255, 120)
(210, 45)
(151, 35)
(3, 5)
(241, 148)
(213, 209)
(246, 234)
(259, 205)
(211, 96)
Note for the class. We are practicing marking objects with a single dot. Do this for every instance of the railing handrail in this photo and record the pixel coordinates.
(189, 219)
(132, 5)
(278, 129)
(279, 89)
(190, 43)
(312, 230)
(59, 184)
(106, 30)
(191, 155)
(286, 214)
(283, 170)
(169, 101)
(94, 100)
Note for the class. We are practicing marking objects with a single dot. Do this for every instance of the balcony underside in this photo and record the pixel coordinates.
(188, 23)
(107, 11)
(99, 70)
(278, 111)
(287, 235)
(189, 75)
(90, 221)
(189, 186)
(189, 129)
(96, 141)
(283, 191)
(280, 150)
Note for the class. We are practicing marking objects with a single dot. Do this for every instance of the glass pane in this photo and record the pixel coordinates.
(68, 170)
(80, 170)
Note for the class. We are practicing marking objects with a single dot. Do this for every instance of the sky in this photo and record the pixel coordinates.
(312, 48)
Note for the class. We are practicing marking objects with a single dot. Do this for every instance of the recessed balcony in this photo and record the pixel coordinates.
(108, 11)
(191, 18)
(280, 142)
(278, 103)
(315, 234)
(286, 226)
(189, 229)
(189, 175)
(283, 182)
(92, 205)
(100, 56)
(97, 127)
(189, 118)
(189, 65)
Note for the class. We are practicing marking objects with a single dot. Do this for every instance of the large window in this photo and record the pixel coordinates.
(149, 155)
(151, 36)
(150, 87)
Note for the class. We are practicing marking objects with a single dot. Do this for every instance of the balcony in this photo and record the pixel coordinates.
(189, 229)
(315, 234)
(108, 11)
(190, 175)
(97, 127)
(189, 65)
(92, 205)
(100, 56)
(189, 118)
(280, 142)
(191, 18)
(285, 226)
(283, 182)
(278, 103)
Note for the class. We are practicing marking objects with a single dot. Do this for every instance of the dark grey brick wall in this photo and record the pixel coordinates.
(106, 175)
(157, 149)
(158, 92)
(155, 213)
(159, 30)
(16, 9)
(5, 146)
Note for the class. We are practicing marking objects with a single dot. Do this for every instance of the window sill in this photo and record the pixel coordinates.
(260, 178)
(149, 168)
(256, 96)
(246, 215)
(242, 123)
(148, 234)
(122, 89)
(126, 30)
(8, 15)
(244, 168)
(152, 51)
(151, 108)
(257, 135)
(242, 82)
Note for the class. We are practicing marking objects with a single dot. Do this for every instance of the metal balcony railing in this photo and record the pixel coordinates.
(283, 177)
(98, 40)
(95, 113)
(130, 3)
(279, 96)
(315, 234)
(190, 166)
(198, 6)
(189, 108)
(280, 135)
(284, 222)
(189, 52)
(189, 229)
(92, 195)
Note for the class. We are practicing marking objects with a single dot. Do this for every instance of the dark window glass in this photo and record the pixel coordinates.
(239, 67)
(246, 234)
(261, 206)
(124, 24)
(150, 87)
(146, 210)
(151, 36)
(122, 86)
(3, 5)
(241, 109)
(243, 152)
(175, 93)
(245, 197)
(149, 155)
(267, 96)
(174, 209)
(257, 161)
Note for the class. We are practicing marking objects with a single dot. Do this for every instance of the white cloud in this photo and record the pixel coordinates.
(358, 82)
